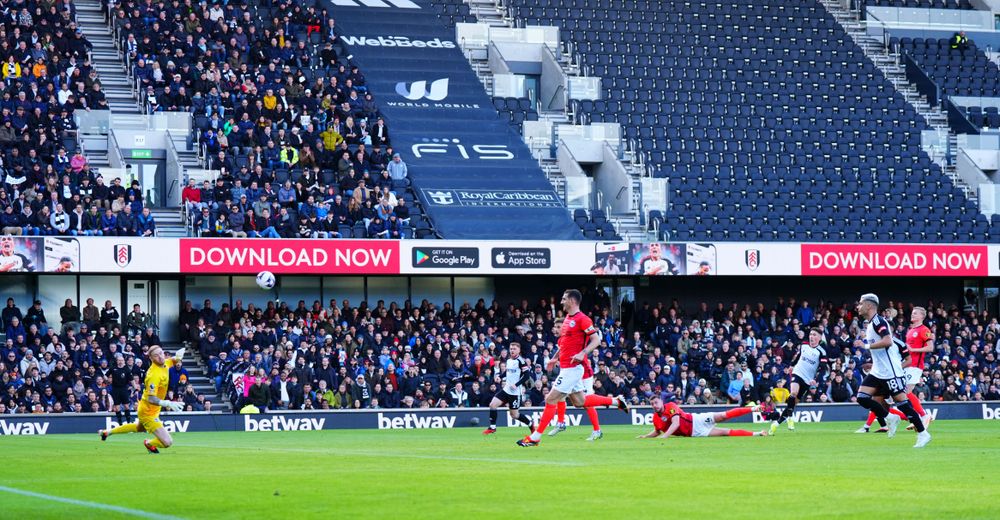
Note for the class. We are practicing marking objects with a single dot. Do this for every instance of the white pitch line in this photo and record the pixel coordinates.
(93, 505)
(388, 454)
(331, 451)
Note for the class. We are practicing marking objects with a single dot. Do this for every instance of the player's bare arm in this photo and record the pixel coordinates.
(592, 343)
(675, 423)
(881, 344)
(928, 345)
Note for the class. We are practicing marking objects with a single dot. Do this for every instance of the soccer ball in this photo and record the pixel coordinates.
(266, 280)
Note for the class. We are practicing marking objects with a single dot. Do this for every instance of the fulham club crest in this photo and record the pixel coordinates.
(752, 258)
(123, 254)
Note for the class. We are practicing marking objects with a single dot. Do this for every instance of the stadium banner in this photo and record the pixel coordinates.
(418, 419)
(250, 256)
(30, 254)
(474, 175)
(894, 260)
(119, 255)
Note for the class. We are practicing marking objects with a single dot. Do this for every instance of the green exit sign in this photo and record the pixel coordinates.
(142, 154)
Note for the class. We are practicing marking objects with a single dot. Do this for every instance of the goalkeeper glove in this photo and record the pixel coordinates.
(179, 355)
(173, 406)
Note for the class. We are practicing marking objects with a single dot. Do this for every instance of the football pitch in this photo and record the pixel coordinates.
(819, 471)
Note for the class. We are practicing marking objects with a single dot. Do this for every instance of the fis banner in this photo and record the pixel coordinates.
(474, 174)
(433, 419)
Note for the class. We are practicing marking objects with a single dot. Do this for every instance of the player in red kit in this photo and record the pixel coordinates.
(919, 341)
(588, 389)
(669, 419)
(577, 339)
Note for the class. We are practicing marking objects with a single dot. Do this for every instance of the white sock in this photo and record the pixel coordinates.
(535, 436)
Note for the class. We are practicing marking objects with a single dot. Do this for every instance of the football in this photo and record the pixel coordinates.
(266, 280)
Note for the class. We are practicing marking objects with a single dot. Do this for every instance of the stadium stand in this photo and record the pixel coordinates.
(925, 4)
(49, 187)
(983, 116)
(775, 129)
(516, 111)
(957, 73)
(688, 355)
(453, 11)
(311, 93)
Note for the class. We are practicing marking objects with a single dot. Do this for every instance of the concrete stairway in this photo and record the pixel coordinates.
(109, 63)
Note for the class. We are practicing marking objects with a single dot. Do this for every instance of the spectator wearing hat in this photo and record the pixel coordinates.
(397, 168)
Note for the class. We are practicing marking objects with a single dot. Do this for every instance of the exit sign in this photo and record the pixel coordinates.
(142, 154)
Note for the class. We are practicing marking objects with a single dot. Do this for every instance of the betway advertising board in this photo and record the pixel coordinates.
(475, 176)
(434, 419)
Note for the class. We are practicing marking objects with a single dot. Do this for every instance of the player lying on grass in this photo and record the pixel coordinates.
(669, 419)
(153, 392)
(577, 339)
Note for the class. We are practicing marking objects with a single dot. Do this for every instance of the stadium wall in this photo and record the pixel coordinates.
(400, 419)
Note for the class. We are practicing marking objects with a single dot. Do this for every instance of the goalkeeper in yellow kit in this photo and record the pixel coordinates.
(153, 392)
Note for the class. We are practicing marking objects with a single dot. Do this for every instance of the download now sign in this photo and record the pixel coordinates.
(893, 260)
(289, 256)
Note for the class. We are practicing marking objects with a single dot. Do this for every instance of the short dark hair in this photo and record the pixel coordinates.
(574, 295)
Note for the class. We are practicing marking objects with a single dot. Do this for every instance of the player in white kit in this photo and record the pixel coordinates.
(517, 372)
(807, 362)
(886, 378)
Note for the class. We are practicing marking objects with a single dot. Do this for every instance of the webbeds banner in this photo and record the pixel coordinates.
(250, 256)
(432, 419)
(894, 260)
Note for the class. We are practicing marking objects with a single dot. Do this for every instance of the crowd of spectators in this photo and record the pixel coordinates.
(361, 356)
(400, 355)
(249, 205)
(67, 367)
(48, 186)
(279, 110)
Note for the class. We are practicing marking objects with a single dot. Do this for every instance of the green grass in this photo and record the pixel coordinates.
(819, 471)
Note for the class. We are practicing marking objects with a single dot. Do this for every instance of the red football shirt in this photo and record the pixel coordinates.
(661, 421)
(917, 337)
(573, 335)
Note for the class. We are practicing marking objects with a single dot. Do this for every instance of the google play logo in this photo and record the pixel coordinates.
(421, 257)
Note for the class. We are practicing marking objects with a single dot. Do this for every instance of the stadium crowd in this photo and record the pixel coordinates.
(389, 355)
(48, 186)
(68, 367)
(280, 111)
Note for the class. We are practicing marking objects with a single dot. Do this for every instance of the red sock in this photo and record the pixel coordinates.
(592, 415)
(736, 412)
(740, 433)
(916, 404)
(561, 409)
(598, 400)
(547, 414)
(897, 413)
(871, 419)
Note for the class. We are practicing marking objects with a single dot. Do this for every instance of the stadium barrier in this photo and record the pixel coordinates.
(405, 419)
(233, 256)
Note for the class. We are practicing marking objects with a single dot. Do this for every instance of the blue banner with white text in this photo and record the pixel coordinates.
(475, 176)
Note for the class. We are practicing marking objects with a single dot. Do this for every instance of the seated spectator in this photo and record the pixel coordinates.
(960, 42)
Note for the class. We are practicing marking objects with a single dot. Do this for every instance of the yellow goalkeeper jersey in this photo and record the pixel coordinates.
(157, 380)
(779, 395)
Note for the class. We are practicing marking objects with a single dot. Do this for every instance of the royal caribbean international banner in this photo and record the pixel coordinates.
(422, 419)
